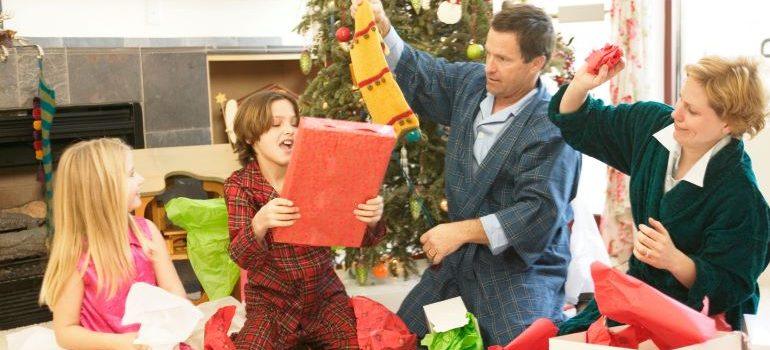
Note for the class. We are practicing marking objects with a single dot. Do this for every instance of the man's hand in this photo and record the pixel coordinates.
(445, 239)
(383, 23)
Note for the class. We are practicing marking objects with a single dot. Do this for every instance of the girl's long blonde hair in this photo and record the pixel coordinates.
(90, 214)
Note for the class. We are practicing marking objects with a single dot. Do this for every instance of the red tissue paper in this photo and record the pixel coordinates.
(609, 55)
(215, 331)
(380, 329)
(653, 315)
(535, 337)
(630, 337)
(335, 165)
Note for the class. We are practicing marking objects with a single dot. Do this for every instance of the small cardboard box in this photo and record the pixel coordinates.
(576, 341)
(335, 165)
(446, 315)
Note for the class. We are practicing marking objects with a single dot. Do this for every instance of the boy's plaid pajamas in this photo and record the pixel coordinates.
(293, 295)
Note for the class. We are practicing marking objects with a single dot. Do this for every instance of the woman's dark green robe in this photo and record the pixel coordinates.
(722, 226)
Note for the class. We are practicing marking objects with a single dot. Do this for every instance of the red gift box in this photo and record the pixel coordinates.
(609, 55)
(335, 165)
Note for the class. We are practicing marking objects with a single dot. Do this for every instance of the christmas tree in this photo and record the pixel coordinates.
(414, 186)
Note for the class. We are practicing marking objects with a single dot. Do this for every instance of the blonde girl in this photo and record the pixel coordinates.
(99, 249)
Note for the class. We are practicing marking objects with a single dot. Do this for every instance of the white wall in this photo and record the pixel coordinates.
(710, 27)
(156, 18)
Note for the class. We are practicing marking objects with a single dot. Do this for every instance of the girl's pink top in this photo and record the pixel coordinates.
(102, 314)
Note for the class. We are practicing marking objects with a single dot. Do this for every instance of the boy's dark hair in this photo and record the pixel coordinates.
(254, 118)
(532, 26)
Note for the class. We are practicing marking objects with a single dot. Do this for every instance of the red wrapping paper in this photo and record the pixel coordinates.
(669, 323)
(609, 55)
(335, 165)
(380, 329)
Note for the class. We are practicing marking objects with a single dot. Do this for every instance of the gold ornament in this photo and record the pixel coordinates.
(220, 98)
(325, 105)
(396, 268)
(416, 5)
(414, 207)
(305, 62)
(362, 275)
(400, 270)
(444, 205)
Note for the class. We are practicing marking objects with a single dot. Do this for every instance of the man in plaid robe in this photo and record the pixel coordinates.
(509, 177)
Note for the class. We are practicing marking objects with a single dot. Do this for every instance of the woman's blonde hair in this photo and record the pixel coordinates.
(734, 90)
(90, 215)
(254, 118)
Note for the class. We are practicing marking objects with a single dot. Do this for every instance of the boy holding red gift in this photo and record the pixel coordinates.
(293, 295)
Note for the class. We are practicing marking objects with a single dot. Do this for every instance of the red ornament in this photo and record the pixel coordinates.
(343, 34)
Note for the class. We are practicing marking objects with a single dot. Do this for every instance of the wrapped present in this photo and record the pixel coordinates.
(379, 328)
(451, 326)
(609, 55)
(335, 165)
